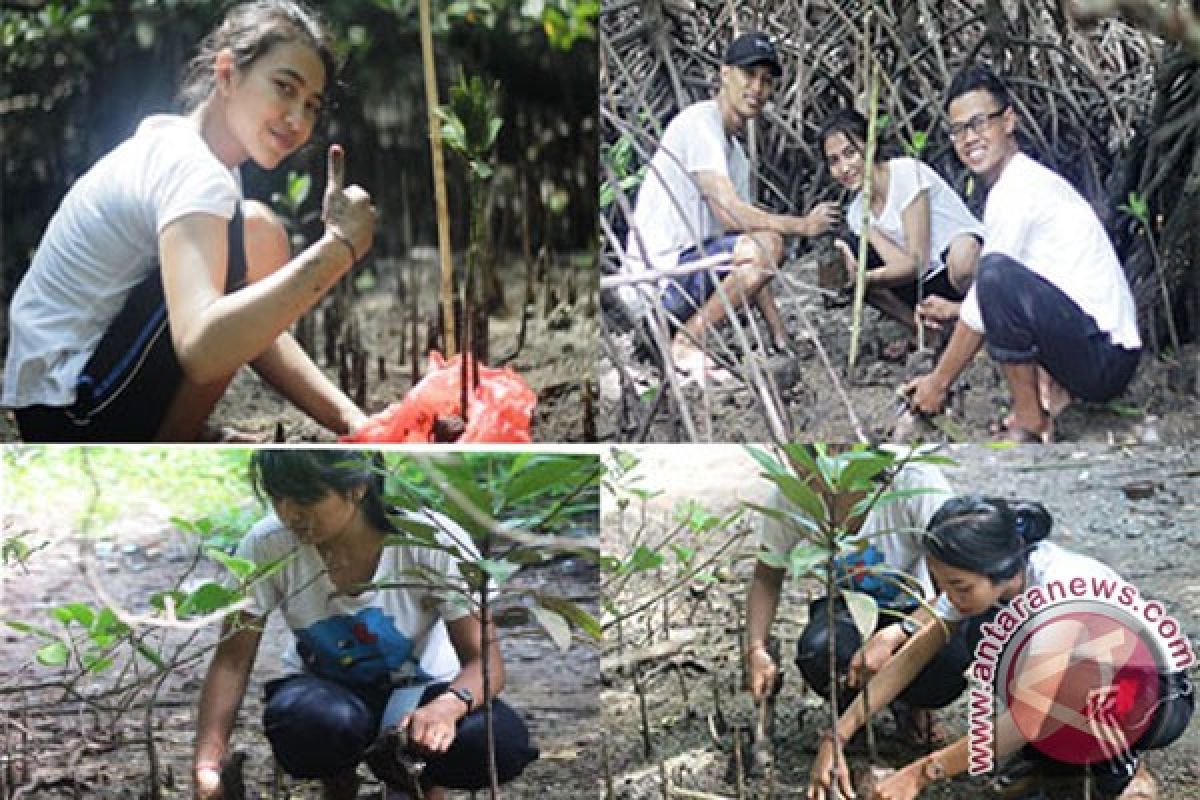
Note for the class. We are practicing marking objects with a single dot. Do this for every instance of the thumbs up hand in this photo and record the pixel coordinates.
(347, 211)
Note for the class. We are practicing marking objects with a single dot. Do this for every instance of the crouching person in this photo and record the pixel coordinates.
(384, 665)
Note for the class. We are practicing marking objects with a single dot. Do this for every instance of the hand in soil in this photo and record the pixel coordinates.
(903, 784)
(760, 673)
(925, 394)
(822, 775)
(347, 211)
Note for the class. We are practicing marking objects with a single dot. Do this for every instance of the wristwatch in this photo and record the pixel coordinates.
(464, 694)
(910, 626)
(933, 770)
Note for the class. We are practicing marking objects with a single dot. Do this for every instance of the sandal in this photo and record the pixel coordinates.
(697, 367)
(1142, 787)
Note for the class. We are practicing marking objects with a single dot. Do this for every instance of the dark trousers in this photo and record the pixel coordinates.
(937, 686)
(319, 729)
(125, 389)
(1028, 319)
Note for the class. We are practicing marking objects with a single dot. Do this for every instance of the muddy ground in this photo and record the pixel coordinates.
(1159, 405)
(557, 357)
(61, 745)
(691, 669)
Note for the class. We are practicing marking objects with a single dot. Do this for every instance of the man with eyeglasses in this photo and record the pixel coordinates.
(695, 203)
(1050, 300)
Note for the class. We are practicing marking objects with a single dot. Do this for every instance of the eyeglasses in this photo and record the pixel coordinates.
(977, 124)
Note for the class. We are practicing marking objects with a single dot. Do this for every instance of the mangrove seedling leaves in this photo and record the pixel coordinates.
(555, 625)
(54, 654)
(863, 610)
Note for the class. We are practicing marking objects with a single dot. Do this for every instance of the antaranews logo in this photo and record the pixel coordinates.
(1072, 668)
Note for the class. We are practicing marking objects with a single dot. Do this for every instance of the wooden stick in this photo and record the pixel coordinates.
(439, 180)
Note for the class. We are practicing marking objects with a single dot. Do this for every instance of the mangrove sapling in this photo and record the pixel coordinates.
(825, 494)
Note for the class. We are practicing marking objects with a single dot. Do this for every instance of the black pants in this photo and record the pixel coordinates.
(1028, 319)
(320, 729)
(939, 284)
(937, 686)
(125, 389)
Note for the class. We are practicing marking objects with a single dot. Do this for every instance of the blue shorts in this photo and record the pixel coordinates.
(685, 294)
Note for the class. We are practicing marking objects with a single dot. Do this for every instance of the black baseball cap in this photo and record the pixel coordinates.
(753, 48)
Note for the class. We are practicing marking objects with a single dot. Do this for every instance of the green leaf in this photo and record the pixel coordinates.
(573, 614)
(863, 610)
(768, 462)
(207, 598)
(79, 613)
(642, 559)
(868, 503)
(240, 567)
(683, 554)
(499, 571)
(697, 518)
(54, 654)
(29, 627)
(108, 622)
(555, 625)
(95, 663)
(802, 496)
(804, 557)
(150, 655)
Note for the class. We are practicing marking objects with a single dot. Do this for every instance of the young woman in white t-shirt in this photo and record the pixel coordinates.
(155, 281)
(383, 640)
(919, 228)
(982, 553)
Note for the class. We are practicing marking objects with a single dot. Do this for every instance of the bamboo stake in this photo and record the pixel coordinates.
(449, 339)
(860, 289)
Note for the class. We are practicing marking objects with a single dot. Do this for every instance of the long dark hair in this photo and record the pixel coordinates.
(306, 476)
(986, 535)
(853, 126)
(250, 30)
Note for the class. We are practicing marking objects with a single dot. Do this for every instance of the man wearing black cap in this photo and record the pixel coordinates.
(695, 202)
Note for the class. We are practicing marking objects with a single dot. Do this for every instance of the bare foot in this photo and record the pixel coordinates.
(694, 366)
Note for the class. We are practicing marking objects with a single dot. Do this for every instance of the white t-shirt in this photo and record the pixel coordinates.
(1038, 219)
(102, 242)
(949, 216)
(398, 634)
(694, 141)
(895, 528)
(1047, 562)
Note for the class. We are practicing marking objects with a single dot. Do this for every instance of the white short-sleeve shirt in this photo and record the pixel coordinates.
(949, 216)
(100, 244)
(1035, 217)
(393, 634)
(694, 141)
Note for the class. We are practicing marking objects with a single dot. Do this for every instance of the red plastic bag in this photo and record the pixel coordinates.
(500, 410)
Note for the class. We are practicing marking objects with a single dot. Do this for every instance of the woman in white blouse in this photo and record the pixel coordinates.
(920, 228)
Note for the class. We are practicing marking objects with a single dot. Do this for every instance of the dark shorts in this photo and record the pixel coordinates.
(125, 389)
(320, 729)
(936, 686)
(684, 296)
(939, 284)
(1028, 319)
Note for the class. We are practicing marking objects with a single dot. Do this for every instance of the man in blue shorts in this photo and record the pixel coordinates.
(696, 203)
